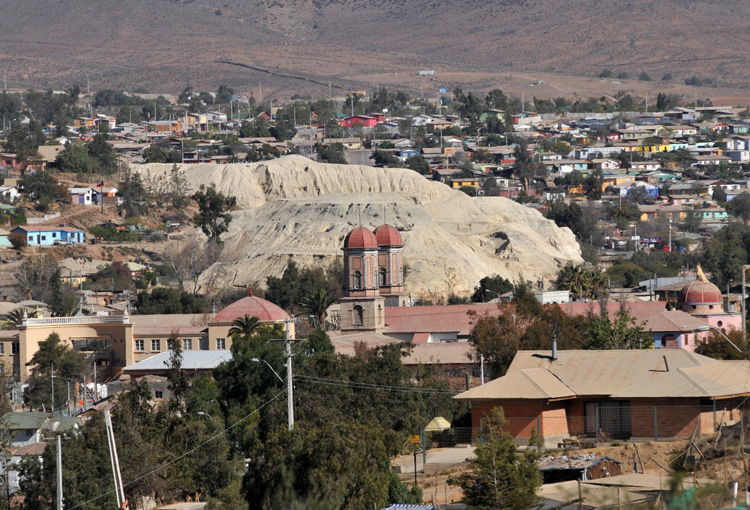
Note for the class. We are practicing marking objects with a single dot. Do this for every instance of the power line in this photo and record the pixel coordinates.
(156, 470)
(370, 386)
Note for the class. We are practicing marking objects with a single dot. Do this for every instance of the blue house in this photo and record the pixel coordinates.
(48, 236)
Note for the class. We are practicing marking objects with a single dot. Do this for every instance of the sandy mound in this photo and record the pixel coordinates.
(293, 207)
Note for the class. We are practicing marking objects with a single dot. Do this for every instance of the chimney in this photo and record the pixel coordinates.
(554, 348)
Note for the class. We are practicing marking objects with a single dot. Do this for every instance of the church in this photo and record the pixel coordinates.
(374, 278)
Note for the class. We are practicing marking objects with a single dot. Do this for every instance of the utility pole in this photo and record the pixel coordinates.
(744, 297)
(59, 473)
(119, 489)
(289, 385)
(52, 382)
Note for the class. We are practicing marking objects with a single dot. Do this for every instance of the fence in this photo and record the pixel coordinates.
(602, 422)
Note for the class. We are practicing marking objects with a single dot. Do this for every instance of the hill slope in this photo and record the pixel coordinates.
(293, 207)
(291, 44)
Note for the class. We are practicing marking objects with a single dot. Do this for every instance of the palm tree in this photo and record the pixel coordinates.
(15, 317)
(317, 304)
(244, 326)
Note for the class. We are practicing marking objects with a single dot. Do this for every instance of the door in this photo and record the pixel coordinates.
(614, 418)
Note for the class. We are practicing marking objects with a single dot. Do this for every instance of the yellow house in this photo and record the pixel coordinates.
(464, 182)
(654, 212)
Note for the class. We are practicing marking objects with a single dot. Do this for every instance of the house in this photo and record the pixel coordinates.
(47, 236)
(81, 196)
(106, 194)
(9, 193)
(24, 429)
(464, 182)
(4, 239)
(366, 121)
(658, 394)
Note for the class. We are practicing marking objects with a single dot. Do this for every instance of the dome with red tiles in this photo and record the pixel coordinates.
(700, 293)
(360, 238)
(387, 235)
(252, 306)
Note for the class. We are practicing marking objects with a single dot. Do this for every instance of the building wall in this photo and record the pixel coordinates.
(119, 334)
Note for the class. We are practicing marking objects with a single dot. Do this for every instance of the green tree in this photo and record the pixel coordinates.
(224, 94)
(244, 325)
(295, 284)
(74, 158)
(154, 154)
(22, 137)
(102, 156)
(163, 300)
(622, 333)
(499, 477)
(385, 158)
(132, 192)
(213, 217)
(333, 153)
(176, 377)
(316, 303)
(739, 206)
(67, 364)
(491, 287)
(718, 348)
(524, 168)
(719, 195)
(418, 164)
(582, 280)
(43, 189)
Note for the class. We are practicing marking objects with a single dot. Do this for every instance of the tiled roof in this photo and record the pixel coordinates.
(252, 306)
(435, 319)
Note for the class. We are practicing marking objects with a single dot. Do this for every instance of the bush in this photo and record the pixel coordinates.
(17, 240)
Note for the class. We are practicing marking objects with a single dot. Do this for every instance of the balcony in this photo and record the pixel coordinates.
(84, 320)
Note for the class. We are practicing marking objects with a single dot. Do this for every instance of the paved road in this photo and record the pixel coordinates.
(435, 459)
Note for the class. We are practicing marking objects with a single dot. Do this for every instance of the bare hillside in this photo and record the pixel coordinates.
(304, 44)
(293, 207)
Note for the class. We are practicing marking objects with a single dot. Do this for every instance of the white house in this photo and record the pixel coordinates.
(81, 196)
(9, 193)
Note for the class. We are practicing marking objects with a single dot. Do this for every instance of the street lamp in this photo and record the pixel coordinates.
(269, 366)
(67, 382)
(201, 413)
(708, 326)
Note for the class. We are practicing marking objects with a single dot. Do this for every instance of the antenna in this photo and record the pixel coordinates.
(360, 216)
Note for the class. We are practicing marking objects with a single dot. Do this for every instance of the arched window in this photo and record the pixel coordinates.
(357, 280)
(359, 316)
(383, 277)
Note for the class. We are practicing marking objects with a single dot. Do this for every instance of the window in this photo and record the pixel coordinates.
(187, 344)
(44, 238)
(357, 280)
(155, 345)
(139, 345)
(383, 278)
(720, 324)
(221, 343)
(203, 344)
(158, 395)
(15, 348)
(170, 344)
(2, 348)
(54, 234)
(358, 318)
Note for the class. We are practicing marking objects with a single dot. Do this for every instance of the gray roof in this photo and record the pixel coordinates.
(191, 360)
(23, 421)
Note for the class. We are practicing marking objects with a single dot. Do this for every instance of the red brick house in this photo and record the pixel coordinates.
(654, 394)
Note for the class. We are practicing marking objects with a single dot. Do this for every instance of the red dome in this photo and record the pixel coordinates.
(387, 235)
(700, 293)
(252, 306)
(360, 238)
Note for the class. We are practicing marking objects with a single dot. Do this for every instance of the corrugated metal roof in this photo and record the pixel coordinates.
(574, 462)
(532, 383)
(450, 353)
(607, 372)
(620, 374)
(191, 360)
(23, 421)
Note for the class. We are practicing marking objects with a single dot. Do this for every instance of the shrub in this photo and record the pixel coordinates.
(17, 240)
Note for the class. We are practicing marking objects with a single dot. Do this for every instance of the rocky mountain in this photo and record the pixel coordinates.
(295, 208)
(307, 44)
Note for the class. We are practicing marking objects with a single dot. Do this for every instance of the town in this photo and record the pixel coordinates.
(355, 301)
